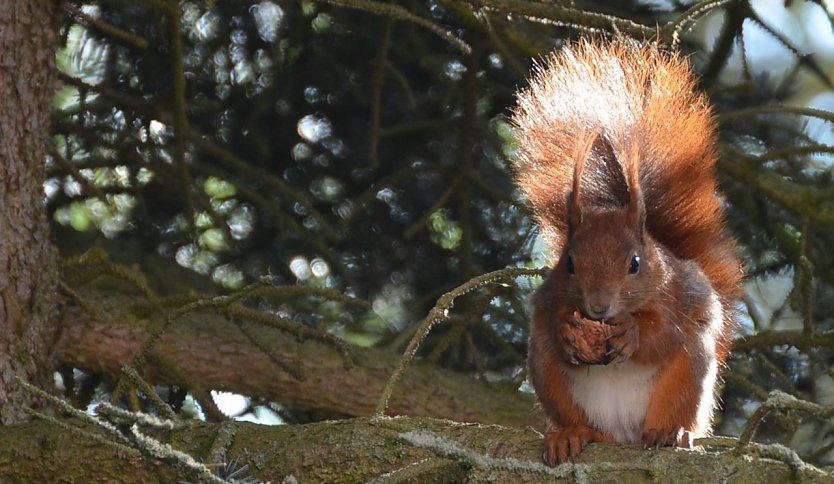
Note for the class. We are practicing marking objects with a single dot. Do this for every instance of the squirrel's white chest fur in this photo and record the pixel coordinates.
(614, 397)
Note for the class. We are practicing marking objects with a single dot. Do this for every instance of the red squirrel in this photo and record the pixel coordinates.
(633, 322)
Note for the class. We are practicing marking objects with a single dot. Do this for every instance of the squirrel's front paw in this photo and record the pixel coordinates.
(566, 443)
(655, 438)
(624, 338)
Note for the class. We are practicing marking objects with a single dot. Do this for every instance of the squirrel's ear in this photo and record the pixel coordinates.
(574, 205)
(636, 203)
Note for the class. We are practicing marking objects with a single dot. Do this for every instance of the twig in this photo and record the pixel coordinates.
(108, 29)
(674, 29)
(180, 102)
(780, 401)
(440, 312)
(401, 13)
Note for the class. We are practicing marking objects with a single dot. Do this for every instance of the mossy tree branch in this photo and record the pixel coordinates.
(389, 450)
(209, 350)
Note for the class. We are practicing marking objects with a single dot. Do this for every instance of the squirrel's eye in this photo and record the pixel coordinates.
(635, 265)
(569, 266)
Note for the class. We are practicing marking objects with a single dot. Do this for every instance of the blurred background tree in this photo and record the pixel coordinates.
(363, 148)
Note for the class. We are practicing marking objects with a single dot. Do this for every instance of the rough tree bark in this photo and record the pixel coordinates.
(207, 350)
(401, 450)
(28, 272)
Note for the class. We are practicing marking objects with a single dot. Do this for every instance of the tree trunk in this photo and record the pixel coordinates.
(28, 274)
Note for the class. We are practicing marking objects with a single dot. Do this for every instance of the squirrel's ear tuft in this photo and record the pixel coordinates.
(636, 202)
(583, 151)
(574, 211)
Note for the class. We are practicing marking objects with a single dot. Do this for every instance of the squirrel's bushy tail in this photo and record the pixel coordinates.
(639, 101)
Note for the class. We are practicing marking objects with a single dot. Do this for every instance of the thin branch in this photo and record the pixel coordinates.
(130, 373)
(440, 312)
(674, 29)
(441, 201)
(806, 60)
(70, 167)
(108, 29)
(180, 104)
(446, 448)
(465, 166)
(723, 46)
(798, 339)
(400, 13)
(380, 65)
(549, 12)
(239, 165)
(775, 109)
(781, 402)
(292, 368)
(800, 199)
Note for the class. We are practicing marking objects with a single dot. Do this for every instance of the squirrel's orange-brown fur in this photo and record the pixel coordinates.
(617, 158)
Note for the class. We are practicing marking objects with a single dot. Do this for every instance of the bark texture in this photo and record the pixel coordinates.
(208, 351)
(28, 274)
(415, 450)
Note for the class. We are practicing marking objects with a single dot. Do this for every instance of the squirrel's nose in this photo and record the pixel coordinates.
(598, 310)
